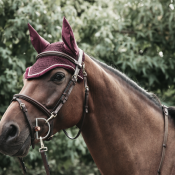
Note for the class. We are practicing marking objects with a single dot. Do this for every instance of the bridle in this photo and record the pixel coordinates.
(64, 97)
(51, 115)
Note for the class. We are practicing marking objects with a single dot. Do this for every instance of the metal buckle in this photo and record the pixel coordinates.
(42, 145)
(38, 126)
(75, 76)
(52, 116)
(165, 109)
(87, 88)
(79, 65)
(84, 71)
(22, 105)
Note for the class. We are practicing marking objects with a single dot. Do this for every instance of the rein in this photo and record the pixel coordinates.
(51, 115)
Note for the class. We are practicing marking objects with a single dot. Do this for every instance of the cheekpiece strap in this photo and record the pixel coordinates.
(68, 88)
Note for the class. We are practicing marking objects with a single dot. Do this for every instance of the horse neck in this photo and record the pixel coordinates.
(121, 125)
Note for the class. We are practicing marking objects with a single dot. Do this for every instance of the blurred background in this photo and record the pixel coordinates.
(136, 37)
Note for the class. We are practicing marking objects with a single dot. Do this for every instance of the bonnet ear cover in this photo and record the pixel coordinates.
(37, 41)
(68, 38)
(47, 63)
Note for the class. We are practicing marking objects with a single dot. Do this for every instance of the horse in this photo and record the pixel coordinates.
(123, 126)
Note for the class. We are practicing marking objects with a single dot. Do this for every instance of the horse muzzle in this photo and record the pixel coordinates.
(12, 140)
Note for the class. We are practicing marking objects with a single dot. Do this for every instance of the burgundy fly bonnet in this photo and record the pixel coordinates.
(47, 63)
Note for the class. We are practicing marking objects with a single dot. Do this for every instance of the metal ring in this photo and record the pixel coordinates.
(37, 125)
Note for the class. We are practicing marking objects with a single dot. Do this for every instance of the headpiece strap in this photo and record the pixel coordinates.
(56, 53)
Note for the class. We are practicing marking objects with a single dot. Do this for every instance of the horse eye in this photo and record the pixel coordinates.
(58, 77)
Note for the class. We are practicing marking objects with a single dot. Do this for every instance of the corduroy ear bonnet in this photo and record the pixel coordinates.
(47, 63)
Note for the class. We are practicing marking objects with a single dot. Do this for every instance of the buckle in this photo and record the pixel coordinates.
(42, 145)
(75, 77)
(22, 105)
(52, 116)
(87, 88)
(165, 109)
(79, 65)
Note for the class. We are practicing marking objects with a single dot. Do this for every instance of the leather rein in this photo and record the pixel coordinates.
(52, 114)
(64, 97)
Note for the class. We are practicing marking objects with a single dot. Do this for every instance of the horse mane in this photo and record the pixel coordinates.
(149, 95)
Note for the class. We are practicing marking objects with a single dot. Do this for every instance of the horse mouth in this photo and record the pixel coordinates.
(23, 151)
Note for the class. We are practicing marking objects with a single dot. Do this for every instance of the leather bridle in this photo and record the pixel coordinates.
(52, 114)
(64, 97)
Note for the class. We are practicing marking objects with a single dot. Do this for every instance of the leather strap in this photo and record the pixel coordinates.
(46, 165)
(22, 165)
(165, 112)
(71, 84)
(34, 102)
(85, 109)
(29, 123)
(68, 91)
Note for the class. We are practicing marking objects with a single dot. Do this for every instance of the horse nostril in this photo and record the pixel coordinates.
(12, 132)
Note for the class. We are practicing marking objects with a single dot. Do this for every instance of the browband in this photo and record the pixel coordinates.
(56, 53)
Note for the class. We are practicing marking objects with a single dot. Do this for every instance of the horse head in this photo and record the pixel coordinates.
(44, 83)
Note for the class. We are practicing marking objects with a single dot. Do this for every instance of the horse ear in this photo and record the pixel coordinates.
(68, 37)
(38, 42)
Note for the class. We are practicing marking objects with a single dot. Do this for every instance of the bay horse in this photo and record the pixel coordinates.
(124, 124)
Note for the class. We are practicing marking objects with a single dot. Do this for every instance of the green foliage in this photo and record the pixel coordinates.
(65, 158)
(135, 36)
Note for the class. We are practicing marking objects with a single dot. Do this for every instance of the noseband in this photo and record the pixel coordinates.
(53, 113)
